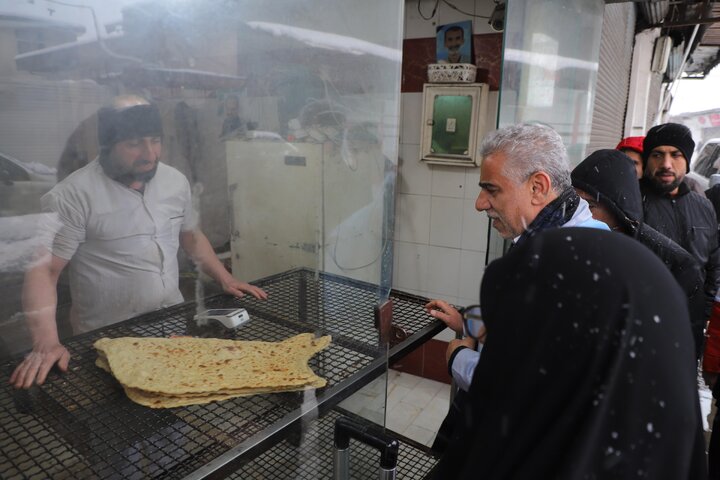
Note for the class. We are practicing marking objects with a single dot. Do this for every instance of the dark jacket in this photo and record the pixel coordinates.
(587, 370)
(689, 219)
(610, 176)
(713, 194)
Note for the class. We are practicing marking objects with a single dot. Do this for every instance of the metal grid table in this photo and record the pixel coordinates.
(81, 424)
(288, 461)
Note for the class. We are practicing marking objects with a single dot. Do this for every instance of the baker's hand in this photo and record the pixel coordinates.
(442, 310)
(38, 363)
(239, 289)
(710, 378)
(456, 343)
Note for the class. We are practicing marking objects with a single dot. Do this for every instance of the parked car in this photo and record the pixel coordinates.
(22, 184)
(707, 161)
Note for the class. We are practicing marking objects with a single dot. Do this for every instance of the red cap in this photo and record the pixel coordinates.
(631, 143)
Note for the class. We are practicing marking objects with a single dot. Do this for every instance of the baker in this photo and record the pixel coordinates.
(116, 224)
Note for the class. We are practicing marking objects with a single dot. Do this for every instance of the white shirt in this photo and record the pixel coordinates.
(121, 244)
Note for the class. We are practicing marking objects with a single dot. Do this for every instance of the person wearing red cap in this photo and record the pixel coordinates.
(633, 148)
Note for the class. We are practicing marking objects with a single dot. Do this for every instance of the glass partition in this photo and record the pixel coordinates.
(275, 124)
(550, 60)
(551, 51)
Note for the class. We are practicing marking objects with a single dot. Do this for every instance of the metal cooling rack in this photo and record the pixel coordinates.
(81, 425)
(290, 461)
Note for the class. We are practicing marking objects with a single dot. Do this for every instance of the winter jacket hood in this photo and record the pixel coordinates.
(610, 177)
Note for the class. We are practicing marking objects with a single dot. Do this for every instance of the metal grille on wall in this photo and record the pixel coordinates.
(616, 47)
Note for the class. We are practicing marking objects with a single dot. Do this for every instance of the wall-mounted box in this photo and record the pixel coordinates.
(453, 120)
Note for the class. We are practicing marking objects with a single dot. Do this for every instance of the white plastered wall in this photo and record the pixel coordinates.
(641, 81)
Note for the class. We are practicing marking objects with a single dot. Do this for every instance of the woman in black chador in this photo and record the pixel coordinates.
(588, 369)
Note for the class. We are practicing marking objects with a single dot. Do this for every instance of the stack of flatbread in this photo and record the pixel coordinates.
(173, 372)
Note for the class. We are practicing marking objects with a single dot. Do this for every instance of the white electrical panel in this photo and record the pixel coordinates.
(275, 191)
(319, 206)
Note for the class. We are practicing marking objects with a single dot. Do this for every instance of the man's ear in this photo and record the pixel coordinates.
(541, 187)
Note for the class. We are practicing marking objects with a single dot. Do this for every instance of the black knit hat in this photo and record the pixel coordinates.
(132, 122)
(672, 134)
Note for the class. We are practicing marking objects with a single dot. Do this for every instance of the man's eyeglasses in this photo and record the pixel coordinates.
(473, 322)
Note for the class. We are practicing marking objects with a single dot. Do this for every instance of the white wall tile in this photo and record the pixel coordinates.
(411, 111)
(492, 111)
(396, 265)
(446, 221)
(420, 293)
(474, 228)
(446, 14)
(413, 218)
(472, 180)
(496, 246)
(451, 299)
(413, 176)
(472, 265)
(415, 25)
(443, 265)
(464, 302)
(445, 336)
(412, 267)
(448, 181)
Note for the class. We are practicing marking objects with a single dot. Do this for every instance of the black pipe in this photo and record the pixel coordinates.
(369, 434)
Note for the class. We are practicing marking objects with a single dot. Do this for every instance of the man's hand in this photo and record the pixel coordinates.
(710, 378)
(38, 363)
(442, 310)
(456, 343)
(239, 289)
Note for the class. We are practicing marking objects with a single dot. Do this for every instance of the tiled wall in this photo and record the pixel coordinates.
(440, 239)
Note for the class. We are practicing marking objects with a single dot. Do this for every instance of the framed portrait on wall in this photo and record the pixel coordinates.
(454, 43)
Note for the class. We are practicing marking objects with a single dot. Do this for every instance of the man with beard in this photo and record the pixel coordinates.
(670, 206)
(689, 219)
(454, 40)
(116, 224)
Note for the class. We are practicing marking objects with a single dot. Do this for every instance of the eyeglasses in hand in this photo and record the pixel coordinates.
(473, 322)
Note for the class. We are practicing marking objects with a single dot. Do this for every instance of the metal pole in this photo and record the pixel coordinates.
(664, 102)
(387, 474)
(341, 464)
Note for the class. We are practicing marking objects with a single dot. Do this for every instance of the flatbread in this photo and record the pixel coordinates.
(166, 372)
(157, 400)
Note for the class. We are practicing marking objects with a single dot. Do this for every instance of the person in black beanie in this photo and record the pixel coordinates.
(117, 224)
(671, 207)
(685, 216)
(607, 180)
